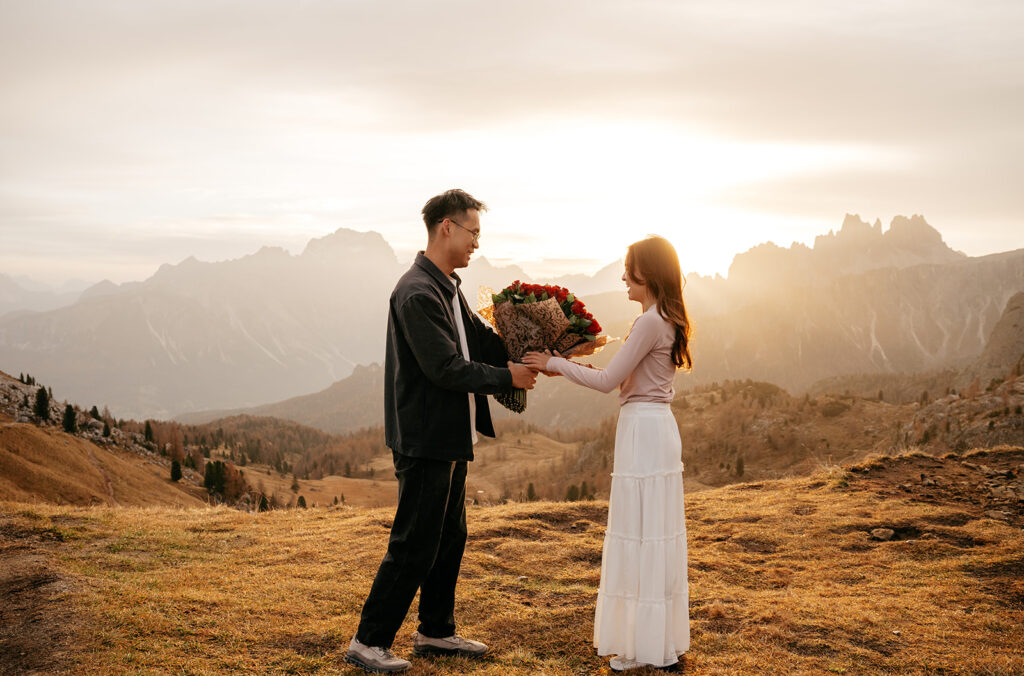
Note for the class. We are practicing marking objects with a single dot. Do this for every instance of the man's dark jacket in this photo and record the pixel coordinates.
(426, 378)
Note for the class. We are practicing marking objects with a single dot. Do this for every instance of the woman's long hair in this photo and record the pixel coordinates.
(653, 262)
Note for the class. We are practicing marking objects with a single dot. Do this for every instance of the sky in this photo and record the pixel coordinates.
(139, 133)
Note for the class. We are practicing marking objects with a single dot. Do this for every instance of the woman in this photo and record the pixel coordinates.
(642, 613)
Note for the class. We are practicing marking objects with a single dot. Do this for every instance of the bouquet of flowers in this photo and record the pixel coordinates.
(535, 317)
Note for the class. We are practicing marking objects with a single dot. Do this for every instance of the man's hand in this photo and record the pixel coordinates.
(523, 376)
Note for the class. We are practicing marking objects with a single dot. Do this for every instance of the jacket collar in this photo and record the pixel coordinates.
(435, 272)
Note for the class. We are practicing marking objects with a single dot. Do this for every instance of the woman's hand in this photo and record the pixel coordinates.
(539, 361)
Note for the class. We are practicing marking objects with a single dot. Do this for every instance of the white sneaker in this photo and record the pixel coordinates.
(453, 645)
(622, 664)
(377, 660)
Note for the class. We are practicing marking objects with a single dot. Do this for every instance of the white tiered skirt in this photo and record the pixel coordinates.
(643, 602)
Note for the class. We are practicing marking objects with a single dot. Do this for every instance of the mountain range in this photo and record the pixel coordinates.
(272, 326)
(200, 335)
(21, 294)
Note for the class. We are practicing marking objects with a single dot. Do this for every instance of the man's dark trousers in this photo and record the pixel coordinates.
(428, 538)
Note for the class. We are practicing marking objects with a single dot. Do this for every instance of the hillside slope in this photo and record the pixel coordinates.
(785, 578)
(38, 463)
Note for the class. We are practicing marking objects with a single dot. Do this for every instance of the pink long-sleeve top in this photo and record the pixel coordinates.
(642, 368)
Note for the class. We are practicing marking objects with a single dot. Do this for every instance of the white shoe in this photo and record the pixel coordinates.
(622, 664)
(377, 660)
(453, 645)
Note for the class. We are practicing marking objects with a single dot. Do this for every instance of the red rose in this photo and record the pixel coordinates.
(577, 308)
(594, 329)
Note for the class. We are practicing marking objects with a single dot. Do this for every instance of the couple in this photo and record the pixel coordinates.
(441, 362)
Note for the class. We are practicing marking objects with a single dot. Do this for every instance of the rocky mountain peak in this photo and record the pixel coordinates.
(913, 233)
(854, 227)
(856, 247)
(351, 244)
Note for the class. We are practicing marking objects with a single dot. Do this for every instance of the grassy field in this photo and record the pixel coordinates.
(784, 579)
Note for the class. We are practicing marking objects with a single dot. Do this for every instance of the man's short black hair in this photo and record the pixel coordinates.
(446, 205)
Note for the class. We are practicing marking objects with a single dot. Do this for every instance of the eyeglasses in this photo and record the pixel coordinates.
(475, 233)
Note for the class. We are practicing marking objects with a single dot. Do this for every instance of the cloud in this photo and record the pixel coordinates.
(799, 69)
(322, 113)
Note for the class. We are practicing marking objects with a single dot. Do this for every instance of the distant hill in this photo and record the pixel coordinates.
(1002, 357)
(979, 415)
(46, 465)
(15, 297)
(1005, 347)
(41, 462)
(349, 404)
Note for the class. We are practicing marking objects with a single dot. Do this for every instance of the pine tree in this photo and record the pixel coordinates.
(584, 492)
(175, 471)
(264, 505)
(295, 484)
(42, 406)
(572, 494)
(26, 403)
(106, 429)
(70, 419)
(302, 501)
(215, 476)
(149, 432)
(531, 492)
(739, 466)
(95, 413)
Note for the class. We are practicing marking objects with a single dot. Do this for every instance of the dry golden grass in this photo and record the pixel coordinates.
(380, 492)
(43, 463)
(783, 580)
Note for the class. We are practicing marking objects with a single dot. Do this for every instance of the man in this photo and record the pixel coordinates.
(441, 361)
